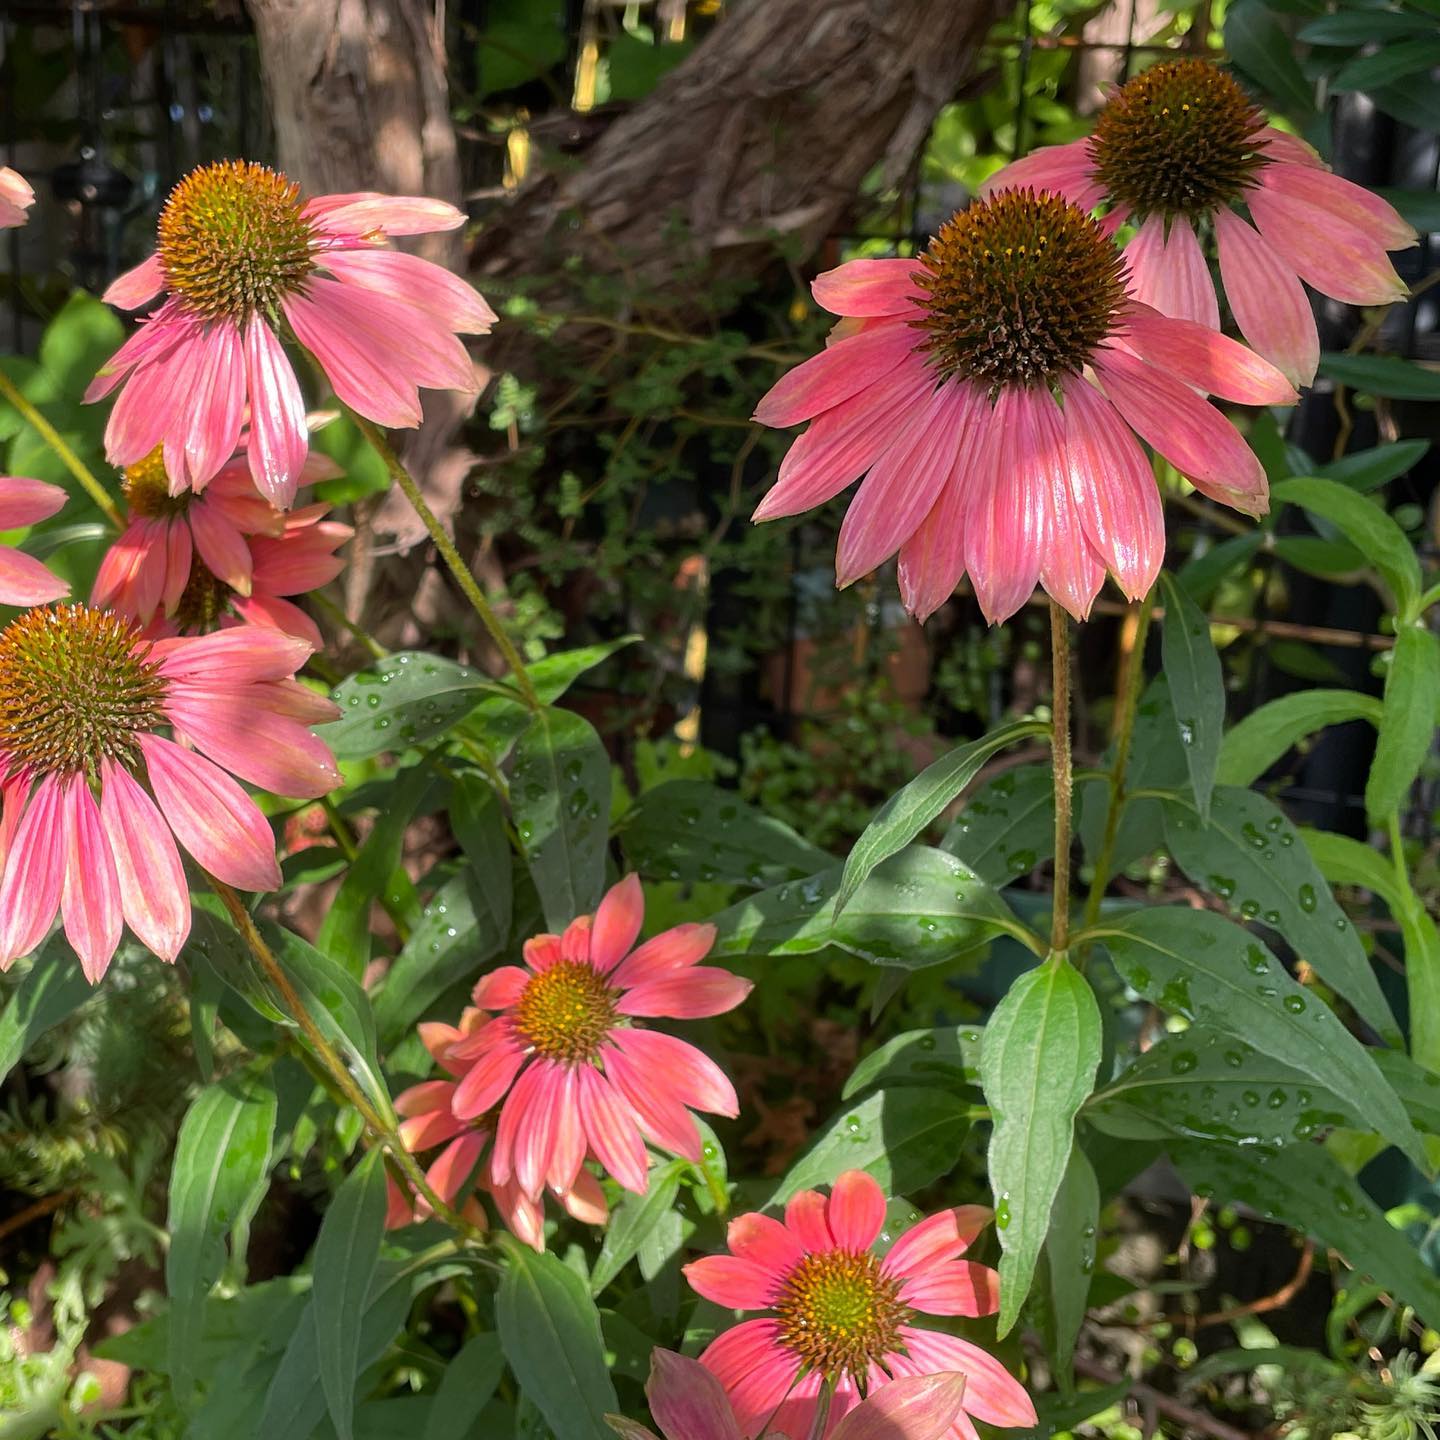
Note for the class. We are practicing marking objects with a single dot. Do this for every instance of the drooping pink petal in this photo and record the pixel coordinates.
(754, 1369)
(1205, 358)
(420, 283)
(149, 404)
(279, 440)
(694, 1077)
(992, 1394)
(805, 1219)
(211, 815)
(796, 1414)
(425, 1098)
(210, 407)
(842, 444)
(674, 949)
(662, 1116)
(1065, 170)
(869, 287)
(230, 657)
(526, 1119)
(24, 580)
(424, 1132)
(855, 1211)
(1113, 487)
(611, 1130)
(567, 1145)
(1336, 258)
(932, 560)
(955, 1287)
(835, 374)
(617, 924)
(365, 211)
(455, 1165)
(179, 554)
(917, 1407)
(902, 487)
(501, 988)
(585, 1200)
(691, 994)
(1006, 517)
(137, 286)
(938, 1238)
(687, 1401)
(270, 612)
(735, 1283)
(1268, 301)
(90, 897)
(34, 873)
(222, 547)
(1353, 204)
(1191, 434)
(267, 750)
(27, 502)
(1169, 273)
(488, 1079)
(154, 894)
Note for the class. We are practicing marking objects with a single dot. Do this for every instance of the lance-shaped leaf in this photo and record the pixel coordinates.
(1407, 730)
(1197, 687)
(1008, 826)
(1259, 739)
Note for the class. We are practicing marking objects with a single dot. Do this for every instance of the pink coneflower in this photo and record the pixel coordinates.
(84, 702)
(843, 1316)
(244, 260)
(1178, 150)
(221, 555)
(575, 1074)
(689, 1403)
(23, 579)
(16, 197)
(989, 388)
(429, 1120)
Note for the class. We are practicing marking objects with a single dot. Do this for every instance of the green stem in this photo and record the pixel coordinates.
(1060, 749)
(71, 461)
(335, 1067)
(338, 615)
(1124, 733)
(451, 556)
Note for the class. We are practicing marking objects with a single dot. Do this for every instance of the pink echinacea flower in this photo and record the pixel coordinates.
(571, 1073)
(243, 260)
(95, 794)
(843, 1316)
(1178, 150)
(689, 1403)
(16, 197)
(991, 391)
(23, 579)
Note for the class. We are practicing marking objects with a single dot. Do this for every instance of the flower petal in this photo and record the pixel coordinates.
(501, 988)
(1205, 358)
(687, 1401)
(1065, 170)
(835, 374)
(279, 440)
(992, 1394)
(90, 897)
(617, 924)
(735, 1283)
(936, 1239)
(1169, 273)
(765, 1242)
(482, 1086)
(805, 1219)
(154, 894)
(855, 1211)
(136, 287)
(955, 1287)
(1346, 201)
(34, 872)
(691, 994)
(610, 1127)
(694, 1078)
(869, 287)
(675, 949)
(917, 1407)
(27, 502)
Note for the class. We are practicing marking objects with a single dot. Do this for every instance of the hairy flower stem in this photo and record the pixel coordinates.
(1060, 749)
(384, 1132)
(71, 461)
(1130, 686)
(451, 556)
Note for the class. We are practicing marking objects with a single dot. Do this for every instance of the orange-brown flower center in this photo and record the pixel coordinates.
(76, 688)
(146, 485)
(566, 1011)
(232, 240)
(1021, 288)
(839, 1311)
(203, 602)
(1176, 140)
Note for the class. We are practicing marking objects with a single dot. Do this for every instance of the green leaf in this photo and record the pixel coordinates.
(1201, 576)
(905, 1137)
(1360, 27)
(550, 1331)
(692, 831)
(1327, 559)
(52, 988)
(522, 40)
(1391, 63)
(1304, 1187)
(1008, 826)
(403, 700)
(1387, 375)
(466, 1388)
(633, 1219)
(479, 826)
(1260, 46)
(921, 907)
(909, 811)
(217, 1180)
(1042, 1047)
(1070, 1255)
(1260, 738)
(1204, 1085)
(560, 796)
(1413, 100)
(1422, 209)
(1197, 687)
(1366, 470)
(84, 334)
(636, 66)
(1411, 701)
(948, 1056)
(1368, 527)
(1198, 964)
(347, 1252)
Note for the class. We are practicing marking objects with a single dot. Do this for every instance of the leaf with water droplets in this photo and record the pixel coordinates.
(693, 831)
(1247, 855)
(948, 1055)
(1197, 687)
(1008, 826)
(909, 811)
(1042, 1048)
(1217, 975)
(1070, 1257)
(560, 797)
(1305, 1188)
